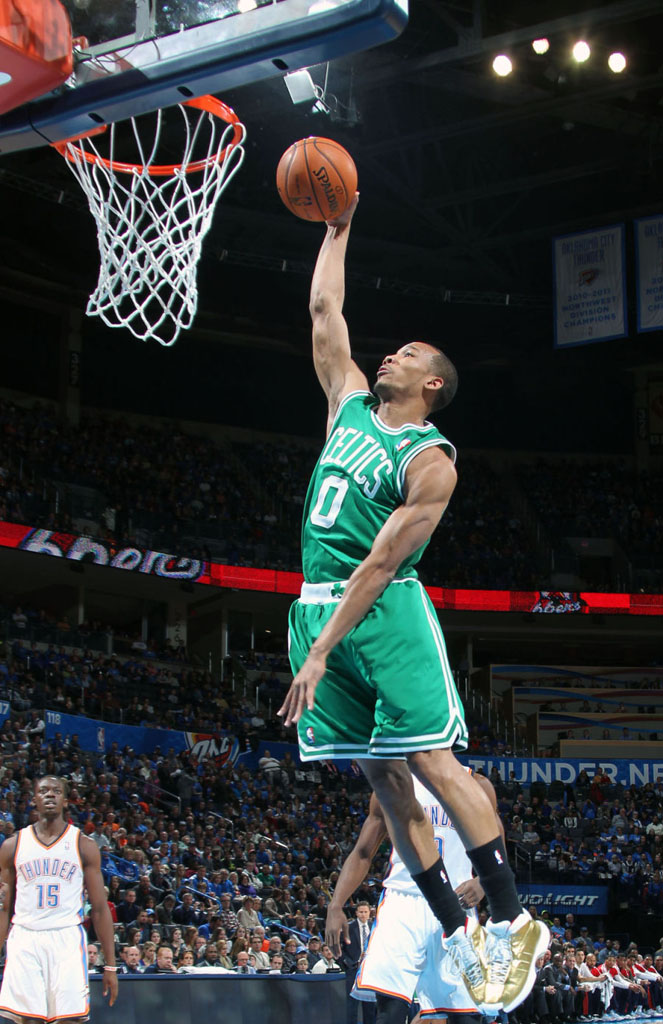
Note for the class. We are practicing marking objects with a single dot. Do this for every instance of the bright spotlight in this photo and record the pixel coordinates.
(617, 62)
(246, 5)
(502, 65)
(581, 51)
(540, 46)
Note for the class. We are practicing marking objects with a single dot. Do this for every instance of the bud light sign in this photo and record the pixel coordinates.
(565, 899)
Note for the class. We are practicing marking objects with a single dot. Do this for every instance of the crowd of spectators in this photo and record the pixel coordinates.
(139, 691)
(584, 977)
(601, 499)
(218, 866)
(594, 832)
(205, 864)
(241, 503)
(237, 875)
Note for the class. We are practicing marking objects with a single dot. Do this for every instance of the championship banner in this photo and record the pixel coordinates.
(655, 415)
(649, 272)
(564, 899)
(589, 284)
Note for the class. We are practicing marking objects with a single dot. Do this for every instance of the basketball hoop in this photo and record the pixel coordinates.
(151, 218)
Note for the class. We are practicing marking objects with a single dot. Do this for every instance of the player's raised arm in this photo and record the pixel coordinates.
(337, 372)
(355, 869)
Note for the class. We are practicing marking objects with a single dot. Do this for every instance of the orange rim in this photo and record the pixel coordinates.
(208, 103)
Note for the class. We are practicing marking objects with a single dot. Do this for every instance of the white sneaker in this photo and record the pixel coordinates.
(465, 947)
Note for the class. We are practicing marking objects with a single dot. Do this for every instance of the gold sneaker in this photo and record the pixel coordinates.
(512, 949)
(465, 947)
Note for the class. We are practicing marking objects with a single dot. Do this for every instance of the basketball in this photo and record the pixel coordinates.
(316, 179)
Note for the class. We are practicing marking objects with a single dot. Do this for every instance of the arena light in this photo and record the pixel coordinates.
(540, 46)
(244, 6)
(502, 65)
(581, 51)
(617, 62)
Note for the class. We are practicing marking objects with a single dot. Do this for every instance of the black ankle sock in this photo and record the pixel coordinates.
(491, 865)
(440, 896)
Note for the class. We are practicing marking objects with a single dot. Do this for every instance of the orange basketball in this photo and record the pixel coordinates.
(316, 179)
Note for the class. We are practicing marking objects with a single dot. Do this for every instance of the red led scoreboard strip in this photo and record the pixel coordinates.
(274, 581)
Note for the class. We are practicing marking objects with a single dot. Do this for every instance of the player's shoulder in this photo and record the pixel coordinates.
(355, 398)
(88, 849)
(430, 467)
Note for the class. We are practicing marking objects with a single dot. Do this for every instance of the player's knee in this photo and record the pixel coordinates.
(392, 783)
(435, 768)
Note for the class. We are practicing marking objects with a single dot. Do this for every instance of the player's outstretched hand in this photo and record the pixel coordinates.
(336, 928)
(470, 893)
(344, 219)
(110, 986)
(302, 689)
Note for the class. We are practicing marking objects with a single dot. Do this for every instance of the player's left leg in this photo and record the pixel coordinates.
(514, 941)
(391, 1009)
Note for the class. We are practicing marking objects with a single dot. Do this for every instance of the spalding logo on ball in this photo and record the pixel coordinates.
(316, 179)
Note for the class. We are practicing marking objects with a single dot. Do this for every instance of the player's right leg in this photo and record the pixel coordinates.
(23, 995)
(412, 835)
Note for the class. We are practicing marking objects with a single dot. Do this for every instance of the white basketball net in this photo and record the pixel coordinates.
(150, 229)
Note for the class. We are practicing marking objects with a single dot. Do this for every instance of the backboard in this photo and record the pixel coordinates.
(135, 56)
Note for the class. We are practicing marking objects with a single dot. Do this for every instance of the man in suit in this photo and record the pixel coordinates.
(164, 962)
(243, 965)
(560, 997)
(358, 932)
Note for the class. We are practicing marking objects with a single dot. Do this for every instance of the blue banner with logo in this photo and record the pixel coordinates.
(566, 770)
(100, 737)
(564, 899)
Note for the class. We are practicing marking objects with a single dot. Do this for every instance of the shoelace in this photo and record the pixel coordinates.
(499, 957)
(466, 959)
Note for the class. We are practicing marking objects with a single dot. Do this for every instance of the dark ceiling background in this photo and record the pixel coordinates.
(464, 181)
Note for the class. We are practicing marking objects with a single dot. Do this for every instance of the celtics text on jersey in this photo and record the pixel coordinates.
(356, 485)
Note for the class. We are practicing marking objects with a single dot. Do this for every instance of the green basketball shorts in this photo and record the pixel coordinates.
(388, 689)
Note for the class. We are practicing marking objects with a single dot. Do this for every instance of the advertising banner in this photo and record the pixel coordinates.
(589, 286)
(564, 899)
(100, 737)
(649, 272)
(174, 567)
(555, 769)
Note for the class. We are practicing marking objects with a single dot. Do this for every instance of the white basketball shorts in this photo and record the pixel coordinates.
(45, 975)
(405, 956)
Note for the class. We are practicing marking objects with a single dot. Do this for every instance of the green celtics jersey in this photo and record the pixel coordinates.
(356, 485)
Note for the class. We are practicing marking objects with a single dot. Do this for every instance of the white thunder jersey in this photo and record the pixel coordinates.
(456, 862)
(49, 881)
